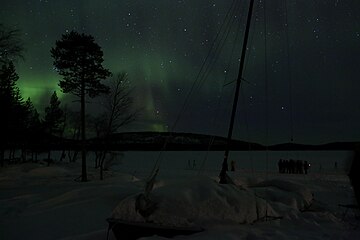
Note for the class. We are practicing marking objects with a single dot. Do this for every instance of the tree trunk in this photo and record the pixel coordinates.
(96, 159)
(12, 154)
(72, 155)
(101, 172)
(62, 156)
(83, 136)
(23, 155)
(69, 155)
(101, 163)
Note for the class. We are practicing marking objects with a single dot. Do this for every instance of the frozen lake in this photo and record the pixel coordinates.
(249, 161)
(257, 161)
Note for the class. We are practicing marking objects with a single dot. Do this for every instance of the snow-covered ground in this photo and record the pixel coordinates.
(41, 202)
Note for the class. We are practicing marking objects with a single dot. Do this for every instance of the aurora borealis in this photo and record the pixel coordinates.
(161, 44)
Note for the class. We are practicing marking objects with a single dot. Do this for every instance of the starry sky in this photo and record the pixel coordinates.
(312, 55)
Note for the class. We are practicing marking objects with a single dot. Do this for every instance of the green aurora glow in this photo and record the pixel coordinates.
(162, 44)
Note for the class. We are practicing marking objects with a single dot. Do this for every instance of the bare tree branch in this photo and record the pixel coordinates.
(11, 46)
(118, 104)
(119, 112)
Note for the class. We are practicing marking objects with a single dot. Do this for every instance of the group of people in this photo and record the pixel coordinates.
(293, 166)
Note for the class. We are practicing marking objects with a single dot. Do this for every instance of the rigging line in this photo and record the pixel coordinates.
(289, 73)
(201, 69)
(216, 118)
(187, 98)
(214, 61)
(229, 66)
(217, 41)
(252, 35)
(266, 84)
(243, 98)
(250, 44)
(224, 37)
(219, 47)
(242, 79)
(267, 101)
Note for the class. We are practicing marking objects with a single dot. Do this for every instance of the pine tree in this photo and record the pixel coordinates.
(34, 128)
(54, 118)
(11, 46)
(11, 102)
(32, 117)
(8, 79)
(30, 127)
(79, 60)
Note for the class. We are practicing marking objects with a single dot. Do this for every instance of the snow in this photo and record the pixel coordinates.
(47, 202)
(186, 202)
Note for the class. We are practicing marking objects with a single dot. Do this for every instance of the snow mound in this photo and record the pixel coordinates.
(195, 202)
(284, 194)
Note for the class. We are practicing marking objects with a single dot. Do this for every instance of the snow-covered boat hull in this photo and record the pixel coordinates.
(134, 230)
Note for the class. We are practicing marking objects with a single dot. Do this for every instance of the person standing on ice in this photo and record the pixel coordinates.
(286, 166)
(280, 164)
(306, 167)
(292, 166)
(232, 165)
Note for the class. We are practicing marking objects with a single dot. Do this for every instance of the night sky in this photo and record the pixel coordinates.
(162, 44)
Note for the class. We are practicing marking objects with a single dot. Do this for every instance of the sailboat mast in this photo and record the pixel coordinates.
(224, 168)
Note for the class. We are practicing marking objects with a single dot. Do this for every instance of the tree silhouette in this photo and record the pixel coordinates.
(12, 108)
(33, 123)
(11, 103)
(11, 47)
(119, 112)
(8, 79)
(79, 60)
(118, 106)
(34, 127)
(54, 118)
